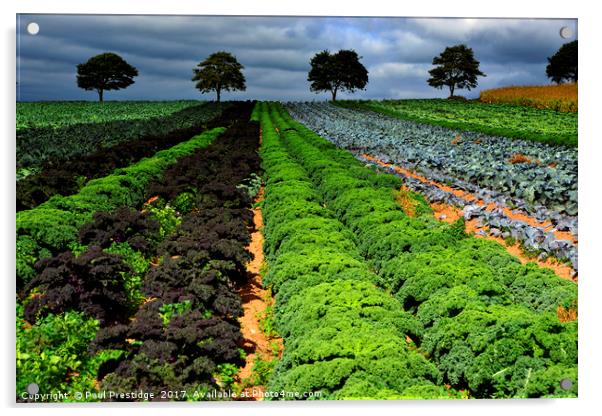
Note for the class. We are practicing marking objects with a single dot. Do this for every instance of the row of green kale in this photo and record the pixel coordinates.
(487, 322)
(344, 337)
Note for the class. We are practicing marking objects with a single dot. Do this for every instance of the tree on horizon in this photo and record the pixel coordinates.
(105, 72)
(220, 71)
(455, 67)
(341, 71)
(562, 66)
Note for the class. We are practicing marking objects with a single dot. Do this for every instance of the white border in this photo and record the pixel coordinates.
(589, 199)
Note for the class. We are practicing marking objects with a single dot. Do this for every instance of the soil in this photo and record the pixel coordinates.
(449, 213)
(255, 299)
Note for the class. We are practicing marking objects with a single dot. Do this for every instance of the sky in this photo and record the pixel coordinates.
(275, 53)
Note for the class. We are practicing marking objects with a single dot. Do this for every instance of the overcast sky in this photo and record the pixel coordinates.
(275, 52)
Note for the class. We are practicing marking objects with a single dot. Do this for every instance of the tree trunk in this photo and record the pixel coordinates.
(451, 90)
(100, 94)
(334, 95)
(218, 91)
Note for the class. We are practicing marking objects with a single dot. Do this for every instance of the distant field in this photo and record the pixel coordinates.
(561, 97)
(59, 114)
(64, 130)
(547, 126)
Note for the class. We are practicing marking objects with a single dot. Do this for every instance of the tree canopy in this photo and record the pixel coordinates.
(456, 68)
(220, 71)
(562, 66)
(341, 71)
(104, 72)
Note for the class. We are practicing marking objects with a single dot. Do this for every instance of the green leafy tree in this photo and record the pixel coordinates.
(341, 71)
(220, 71)
(562, 66)
(456, 68)
(104, 72)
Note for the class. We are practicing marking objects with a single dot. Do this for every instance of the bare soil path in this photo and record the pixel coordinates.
(255, 299)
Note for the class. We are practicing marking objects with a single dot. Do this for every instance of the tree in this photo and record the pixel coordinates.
(220, 71)
(456, 68)
(562, 66)
(104, 72)
(341, 71)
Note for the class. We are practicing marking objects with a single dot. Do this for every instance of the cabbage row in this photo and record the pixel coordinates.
(540, 125)
(488, 323)
(475, 159)
(545, 187)
(533, 238)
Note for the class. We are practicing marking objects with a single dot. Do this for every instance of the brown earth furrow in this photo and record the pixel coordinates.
(449, 213)
(255, 299)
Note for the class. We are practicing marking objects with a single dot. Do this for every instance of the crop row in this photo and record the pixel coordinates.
(490, 324)
(344, 338)
(187, 336)
(61, 113)
(176, 329)
(544, 187)
(65, 177)
(55, 144)
(519, 122)
(53, 226)
(548, 176)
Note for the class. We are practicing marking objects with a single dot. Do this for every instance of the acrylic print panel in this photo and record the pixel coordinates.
(275, 208)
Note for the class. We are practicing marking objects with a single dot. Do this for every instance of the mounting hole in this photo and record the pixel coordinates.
(33, 28)
(33, 388)
(566, 32)
(566, 384)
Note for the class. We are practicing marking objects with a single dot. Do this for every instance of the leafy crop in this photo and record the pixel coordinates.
(53, 353)
(125, 225)
(46, 130)
(53, 225)
(343, 337)
(186, 335)
(475, 158)
(443, 277)
(58, 175)
(546, 126)
(92, 283)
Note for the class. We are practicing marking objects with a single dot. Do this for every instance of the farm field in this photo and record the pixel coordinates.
(338, 244)
(45, 130)
(520, 190)
(141, 295)
(562, 97)
(231, 208)
(512, 121)
(135, 282)
(68, 169)
(63, 113)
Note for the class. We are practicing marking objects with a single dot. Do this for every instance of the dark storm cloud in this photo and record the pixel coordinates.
(276, 51)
